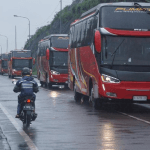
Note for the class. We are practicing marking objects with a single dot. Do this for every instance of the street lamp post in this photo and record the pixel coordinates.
(28, 20)
(7, 42)
(1, 49)
(60, 14)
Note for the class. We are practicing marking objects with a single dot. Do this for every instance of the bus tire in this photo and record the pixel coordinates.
(96, 103)
(49, 85)
(41, 83)
(77, 96)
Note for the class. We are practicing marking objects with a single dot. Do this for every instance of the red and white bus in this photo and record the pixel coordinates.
(3, 64)
(109, 53)
(17, 60)
(52, 60)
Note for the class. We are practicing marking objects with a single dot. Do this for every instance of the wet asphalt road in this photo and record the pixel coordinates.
(63, 124)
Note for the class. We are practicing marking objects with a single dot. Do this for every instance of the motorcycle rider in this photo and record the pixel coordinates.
(26, 85)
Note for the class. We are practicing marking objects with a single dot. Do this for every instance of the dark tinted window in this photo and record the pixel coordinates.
(4, 64)
(132, 51)
(59, 42)
(72, 37)
(83, 32)
(58, 58)
(79, 27)
(21, 63)
(21, 54)
(89, 31)
(4, 56)
(125, 18)
(9, 56)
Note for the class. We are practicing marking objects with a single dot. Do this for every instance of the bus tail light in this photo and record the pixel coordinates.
(97, 41)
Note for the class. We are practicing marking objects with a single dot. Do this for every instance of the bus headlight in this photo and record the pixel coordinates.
(109, 79)
(14, 70)
(54, 72)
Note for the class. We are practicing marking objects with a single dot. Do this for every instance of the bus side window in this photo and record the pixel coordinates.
(95, 22)
(79, 35)
(70, 37)
(84, 23)
(41, 50)
(75, 37)
(89, 31)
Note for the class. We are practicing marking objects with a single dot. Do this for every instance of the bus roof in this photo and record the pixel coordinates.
(19, 50)
(47, 37)
(4, 56)
(94, 9)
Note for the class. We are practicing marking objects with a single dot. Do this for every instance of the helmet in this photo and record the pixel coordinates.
(25, 71)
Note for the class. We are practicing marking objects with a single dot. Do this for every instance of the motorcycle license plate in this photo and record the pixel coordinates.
(139, 98)
(27, 107)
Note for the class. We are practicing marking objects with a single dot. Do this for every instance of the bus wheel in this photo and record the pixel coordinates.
(49, 85)
(77, 96)
(41, 83)
(96, 103)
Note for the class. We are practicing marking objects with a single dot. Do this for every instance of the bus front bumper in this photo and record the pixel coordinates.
(62, 78)
(134, 91)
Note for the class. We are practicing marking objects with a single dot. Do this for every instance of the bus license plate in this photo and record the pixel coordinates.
(140, 98)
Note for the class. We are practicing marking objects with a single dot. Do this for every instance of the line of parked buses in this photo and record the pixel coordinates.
(106, 59)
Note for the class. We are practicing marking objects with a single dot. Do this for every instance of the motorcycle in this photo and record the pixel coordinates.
(28, 107)
(27, 115)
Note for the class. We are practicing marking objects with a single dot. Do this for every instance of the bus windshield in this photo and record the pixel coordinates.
(21, 63)
(127, 18)
(58, 59)
(132, 51)
(21, 54)
(60, 42)
(4, 64)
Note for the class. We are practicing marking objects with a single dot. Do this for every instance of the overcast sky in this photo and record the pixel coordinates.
(39, 12)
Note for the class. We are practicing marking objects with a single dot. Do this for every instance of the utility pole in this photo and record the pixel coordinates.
(60, 14)
(15, 38)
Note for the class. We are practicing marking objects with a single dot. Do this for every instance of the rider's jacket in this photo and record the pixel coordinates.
(26, 85)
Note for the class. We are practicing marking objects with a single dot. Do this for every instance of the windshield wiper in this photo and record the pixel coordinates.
(137, 5)
(114, 53)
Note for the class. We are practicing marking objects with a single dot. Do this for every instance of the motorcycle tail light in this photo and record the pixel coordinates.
(28, 100)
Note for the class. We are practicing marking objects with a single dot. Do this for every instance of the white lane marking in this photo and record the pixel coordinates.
(135, 117)
(19, 129)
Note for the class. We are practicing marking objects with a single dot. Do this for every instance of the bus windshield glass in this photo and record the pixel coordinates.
(58, 59)
(21, 63)
(60, 42)
(21, 54)
(4, 64)
(132, 50)
(4, 56)
(127, 18)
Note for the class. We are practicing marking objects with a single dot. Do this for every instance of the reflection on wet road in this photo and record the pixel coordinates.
(63, 124)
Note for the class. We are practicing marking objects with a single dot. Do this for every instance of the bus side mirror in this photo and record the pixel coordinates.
(47, 54)
(97, 41)
(33, 61)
